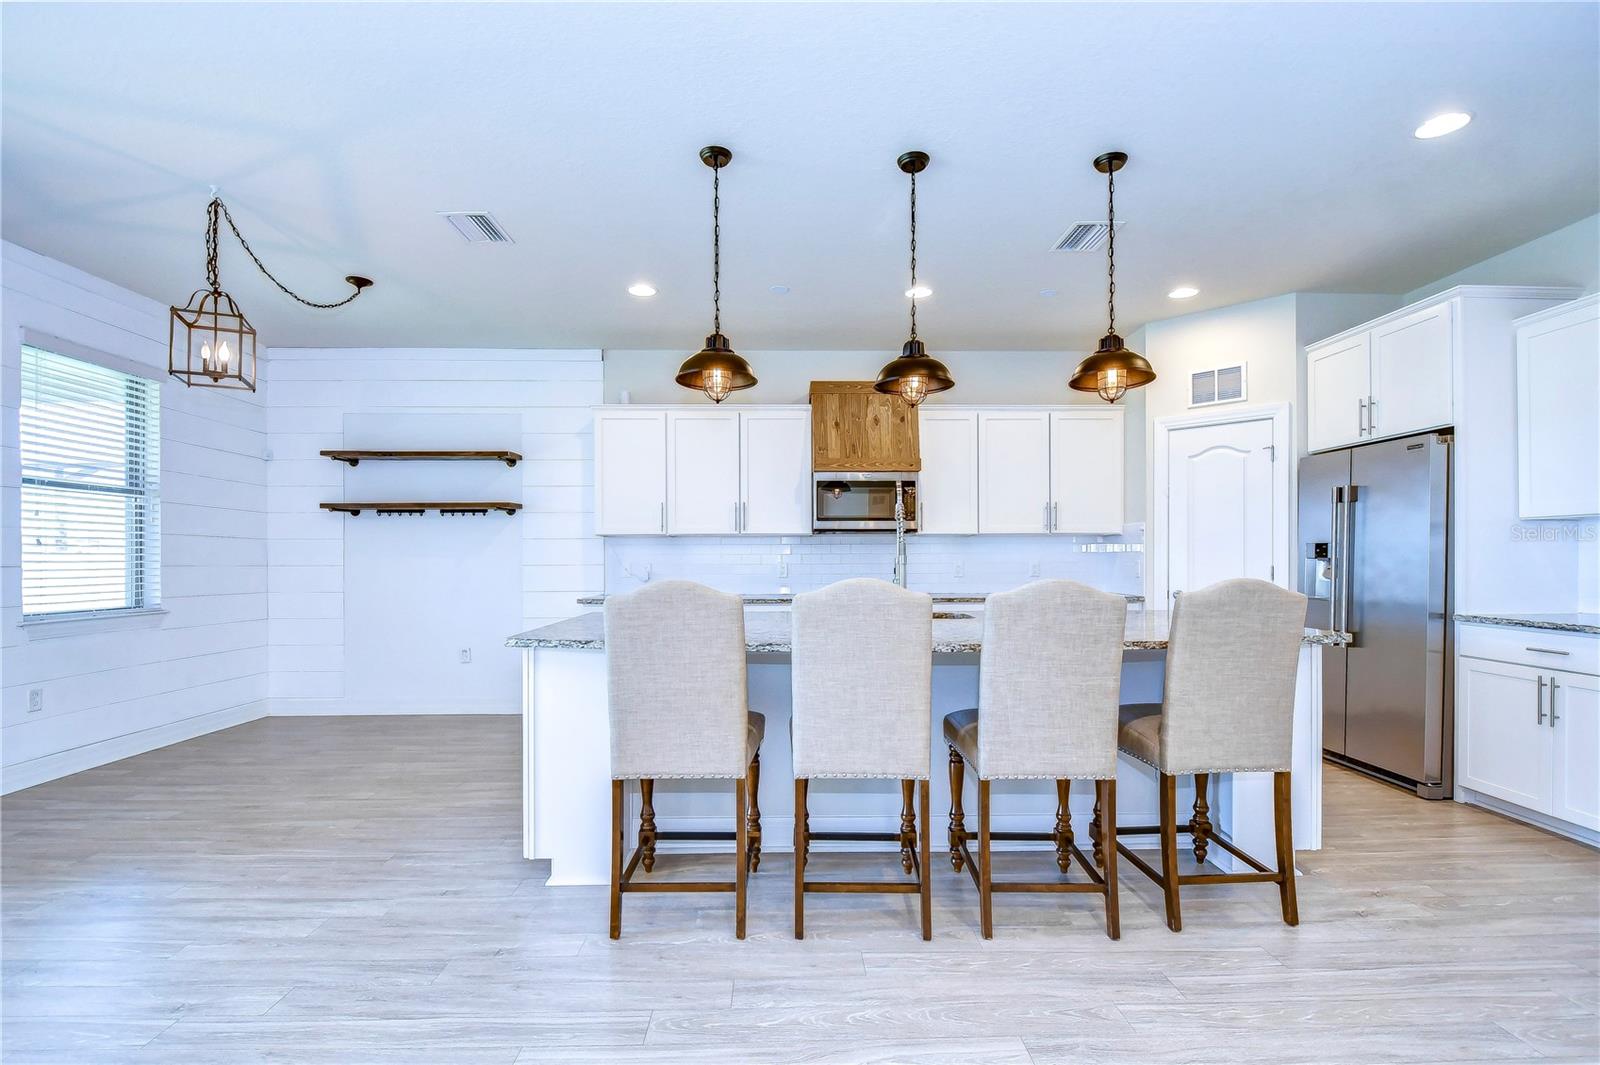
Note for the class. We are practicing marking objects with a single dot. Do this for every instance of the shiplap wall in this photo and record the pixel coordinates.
(115, 688)
(341, 640)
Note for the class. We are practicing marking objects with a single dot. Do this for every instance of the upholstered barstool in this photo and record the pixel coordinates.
(1048, 690)
(675, 672)
(862, 668)
(1228, 707)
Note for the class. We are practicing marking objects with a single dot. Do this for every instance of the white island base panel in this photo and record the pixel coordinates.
(566, 780)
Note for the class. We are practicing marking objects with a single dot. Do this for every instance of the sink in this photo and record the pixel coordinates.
(950, 615)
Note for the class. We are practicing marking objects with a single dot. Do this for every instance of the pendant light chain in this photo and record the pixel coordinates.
(211, 259)
(1111, 247)
(716, 249)
(913, 254)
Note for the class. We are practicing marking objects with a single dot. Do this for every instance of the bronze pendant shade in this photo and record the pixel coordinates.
(716, 369)
(1112, 369)
(915, 375)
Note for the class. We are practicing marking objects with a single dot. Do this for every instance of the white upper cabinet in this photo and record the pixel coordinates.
(1013, 471)
(1411, 373)
(1086, 470)
(630, 472)
(702, 471)
(1338, 384)
(775, 471)
(947, 488)
(1558, 427)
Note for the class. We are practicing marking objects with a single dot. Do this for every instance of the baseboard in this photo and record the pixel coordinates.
(371, 707)
(42, 770)
(1565, 829)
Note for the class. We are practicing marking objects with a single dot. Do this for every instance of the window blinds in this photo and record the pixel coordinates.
(91, 467)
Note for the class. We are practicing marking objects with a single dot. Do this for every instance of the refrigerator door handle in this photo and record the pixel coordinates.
(1336, 561)
(1347, 544)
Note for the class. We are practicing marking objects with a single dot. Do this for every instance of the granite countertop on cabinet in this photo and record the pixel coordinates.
(785, 598)
(768, 632)
(1575, 622)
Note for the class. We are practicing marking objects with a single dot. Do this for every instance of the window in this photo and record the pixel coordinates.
(91, 465)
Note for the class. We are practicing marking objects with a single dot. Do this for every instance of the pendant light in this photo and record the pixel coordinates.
(1113, 369)
(716, 369)
(915, 375)
(210, 343)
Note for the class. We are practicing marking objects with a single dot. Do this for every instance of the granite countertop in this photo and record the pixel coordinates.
(784, 598)
(768, 632)
(1578, 622)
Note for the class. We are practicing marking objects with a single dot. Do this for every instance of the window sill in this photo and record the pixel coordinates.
(48, 628)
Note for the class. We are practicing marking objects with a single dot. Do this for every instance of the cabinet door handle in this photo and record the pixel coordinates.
(1538, 702)
(1047, 515)
(1546, 651)
(1361, 417)
(1055, 517)
(663, 515)
(1372, 415)
(1553, 687)
(735, 515)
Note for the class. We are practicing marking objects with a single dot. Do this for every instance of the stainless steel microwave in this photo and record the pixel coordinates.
(861, 502)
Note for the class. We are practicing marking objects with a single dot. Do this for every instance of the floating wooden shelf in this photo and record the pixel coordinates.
(467, 507)
(510, 458)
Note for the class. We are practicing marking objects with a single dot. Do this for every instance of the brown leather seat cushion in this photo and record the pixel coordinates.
(755, 730)
(1139, 732)
(961, 732)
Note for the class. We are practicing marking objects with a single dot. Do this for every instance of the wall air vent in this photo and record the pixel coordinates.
(476, 227)
(1085, 236)
(1222, 385)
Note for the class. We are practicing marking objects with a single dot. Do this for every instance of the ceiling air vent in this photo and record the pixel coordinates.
(1085, 236)
(476, 227)
(1222, 385)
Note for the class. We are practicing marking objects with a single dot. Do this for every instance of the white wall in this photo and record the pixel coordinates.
(1566, 256)
(369, 614)
(115, 688)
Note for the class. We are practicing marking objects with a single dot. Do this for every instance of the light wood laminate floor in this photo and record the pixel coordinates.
(352, 890)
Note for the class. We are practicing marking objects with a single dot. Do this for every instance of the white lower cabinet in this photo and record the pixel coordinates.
(1529, 735)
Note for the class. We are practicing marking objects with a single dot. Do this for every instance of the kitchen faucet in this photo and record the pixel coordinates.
(899, 533)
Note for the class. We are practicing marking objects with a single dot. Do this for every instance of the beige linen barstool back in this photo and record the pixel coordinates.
(1228, 707)
(675, 672)
(1048, 691)
(862, 668)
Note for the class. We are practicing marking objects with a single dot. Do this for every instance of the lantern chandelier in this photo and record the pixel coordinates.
(1112, 369)
(915, 375)
(210, 343)
(716, 369)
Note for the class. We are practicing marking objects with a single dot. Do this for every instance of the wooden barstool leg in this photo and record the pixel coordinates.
(647, 825)
(1108, 871)
(1063, 827)
(800, 845)
(753, 822)
(616, 859)
(958, 817)
(1284, 831)
(908, 825)
(925, 853)
(1096, 838)
(741, 855)
(1169, 850)
(985, 864)
(1200, 824)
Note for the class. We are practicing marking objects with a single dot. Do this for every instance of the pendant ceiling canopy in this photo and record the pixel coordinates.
(915, 375)
(1112, 369)
(716, 369)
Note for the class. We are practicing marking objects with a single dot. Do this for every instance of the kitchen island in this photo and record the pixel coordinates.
(565, 756)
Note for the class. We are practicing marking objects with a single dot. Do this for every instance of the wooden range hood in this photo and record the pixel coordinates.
(856, 429)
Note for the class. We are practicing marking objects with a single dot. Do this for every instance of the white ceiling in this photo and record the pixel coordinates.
(1271, 151)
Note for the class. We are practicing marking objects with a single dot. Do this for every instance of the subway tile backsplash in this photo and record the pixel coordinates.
(756, 564)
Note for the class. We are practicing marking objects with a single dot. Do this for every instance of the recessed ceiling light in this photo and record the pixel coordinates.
(1048, 293)
(641, 290)
(1439, 125)
(919, 292)
(779, 290)
(1183, 292)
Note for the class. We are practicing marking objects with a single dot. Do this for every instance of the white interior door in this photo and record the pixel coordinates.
(1220, 505)
(775, 482)
(702, 471)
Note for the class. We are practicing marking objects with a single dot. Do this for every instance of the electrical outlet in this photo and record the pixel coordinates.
(783, 566)
(35, 700)
(959, 571)
(1033, 569)
(465, 656)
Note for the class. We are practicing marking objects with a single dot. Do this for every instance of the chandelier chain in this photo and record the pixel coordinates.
(716, 249)
(1111, 247)
(211, 259)
(913, 255)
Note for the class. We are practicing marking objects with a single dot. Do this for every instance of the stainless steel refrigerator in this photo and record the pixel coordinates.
(1375, 530)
